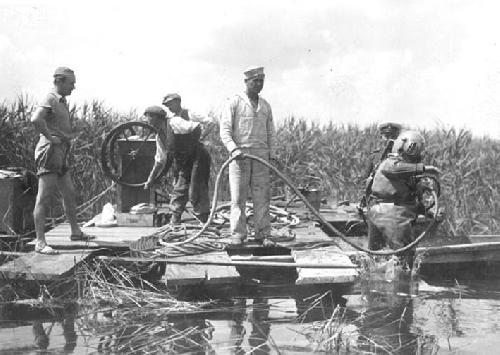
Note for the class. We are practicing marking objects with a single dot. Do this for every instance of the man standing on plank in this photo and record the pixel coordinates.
(247, 127)
(52, 120)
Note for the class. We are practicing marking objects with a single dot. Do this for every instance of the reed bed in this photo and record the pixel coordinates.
(330, 157)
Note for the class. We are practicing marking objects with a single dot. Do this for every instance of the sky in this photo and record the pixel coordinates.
(424, 63)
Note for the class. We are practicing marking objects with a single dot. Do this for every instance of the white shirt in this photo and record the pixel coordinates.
(243, 126)
(181, 126)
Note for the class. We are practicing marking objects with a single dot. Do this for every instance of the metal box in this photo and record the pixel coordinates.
(135, 171)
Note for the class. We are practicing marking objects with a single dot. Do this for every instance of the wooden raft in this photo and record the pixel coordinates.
(34, 266)
(175, 275)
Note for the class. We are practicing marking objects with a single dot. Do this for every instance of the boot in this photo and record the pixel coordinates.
(203, 217)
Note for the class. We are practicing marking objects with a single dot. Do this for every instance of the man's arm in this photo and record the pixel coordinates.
(403, 170)
(204, 119)
(39, 121)
(162, 160)
(226, 127)
(271, 135)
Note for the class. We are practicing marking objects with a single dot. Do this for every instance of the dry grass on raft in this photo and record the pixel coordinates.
(132, 313)
(330, 157)
(126, 313)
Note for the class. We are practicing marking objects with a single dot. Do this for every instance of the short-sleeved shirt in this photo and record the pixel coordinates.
(58, 119)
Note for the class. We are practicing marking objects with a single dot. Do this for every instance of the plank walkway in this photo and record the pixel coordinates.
(307, 232)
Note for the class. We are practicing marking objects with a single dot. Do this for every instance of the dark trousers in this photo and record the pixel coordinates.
(191, 175)
(392, 226)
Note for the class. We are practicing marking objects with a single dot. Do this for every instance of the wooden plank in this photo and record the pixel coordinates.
(236, 263)
(35, 266)
(176, 275)
(328, 276)
(461, 253)
(117, 237)
(484, 238)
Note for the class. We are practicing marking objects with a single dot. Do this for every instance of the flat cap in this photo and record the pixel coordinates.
(155, 110)
(63, 71)
(388, 126)
(254, 72)
(170, 97)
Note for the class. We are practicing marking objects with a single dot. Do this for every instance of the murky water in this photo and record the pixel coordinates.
(404, 317)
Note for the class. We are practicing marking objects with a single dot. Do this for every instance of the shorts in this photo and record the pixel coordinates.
(51, 158)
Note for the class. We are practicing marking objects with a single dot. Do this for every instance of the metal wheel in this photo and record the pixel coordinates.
(136, 134)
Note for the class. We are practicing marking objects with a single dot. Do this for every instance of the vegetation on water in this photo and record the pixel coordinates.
(117, 311)
(330, 157)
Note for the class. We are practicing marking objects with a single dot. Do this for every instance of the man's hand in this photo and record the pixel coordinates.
(237, 153)
(431, 169)
(55, 140)
(147, 184)
(62, 138)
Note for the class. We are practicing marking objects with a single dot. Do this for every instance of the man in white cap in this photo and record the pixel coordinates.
(52, 120)
(179, 140)
(247, 127)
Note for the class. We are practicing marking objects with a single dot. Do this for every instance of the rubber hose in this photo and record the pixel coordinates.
(309, 206)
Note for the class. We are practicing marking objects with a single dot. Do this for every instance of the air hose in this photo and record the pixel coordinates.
(309, 206)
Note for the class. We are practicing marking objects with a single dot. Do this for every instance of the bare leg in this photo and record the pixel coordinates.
(69, 202)
(47, 187)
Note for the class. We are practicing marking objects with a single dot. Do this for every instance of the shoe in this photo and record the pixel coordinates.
(44, 248)
(236, 240)
(81, 237)
(259, 237)
(268, 243)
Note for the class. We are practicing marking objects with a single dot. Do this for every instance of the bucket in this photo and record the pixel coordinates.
(313, 196)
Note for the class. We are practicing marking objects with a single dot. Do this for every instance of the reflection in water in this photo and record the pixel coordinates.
(378, 320)
(386, 325)
(150, 332)
(260, 324)
(42, 334)
(379, 317)
(41, 337)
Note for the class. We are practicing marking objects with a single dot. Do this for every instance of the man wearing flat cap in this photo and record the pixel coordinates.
(178, 141)
(247, 127)
(52, 121)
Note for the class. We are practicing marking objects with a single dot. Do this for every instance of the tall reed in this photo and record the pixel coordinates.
(330, 157)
